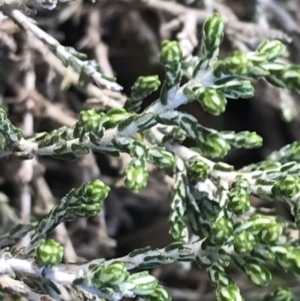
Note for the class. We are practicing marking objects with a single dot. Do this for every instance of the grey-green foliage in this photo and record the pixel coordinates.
(210, 199)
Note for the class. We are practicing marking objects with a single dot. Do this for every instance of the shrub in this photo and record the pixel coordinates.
(210, 200)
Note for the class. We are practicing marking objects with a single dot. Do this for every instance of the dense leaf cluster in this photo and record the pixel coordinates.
(210, 200)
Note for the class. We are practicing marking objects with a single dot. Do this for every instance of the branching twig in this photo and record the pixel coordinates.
(107, 98)
(82, 66)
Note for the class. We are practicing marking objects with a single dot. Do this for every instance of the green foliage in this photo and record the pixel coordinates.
(49, 253)
(178, 228)
(236, 89)
(116, 277)
(211, 200)
(213, 34)
(228, 292)
(221, 230)
(159, 294)
(144, 86)
(136, 175)
(239, 201)
(212, 101)
(197, 168)
(281, 294)
(170, 57)
(287, 187)
(82, 202)
(244, 242)
(9, 132)
(113, 274)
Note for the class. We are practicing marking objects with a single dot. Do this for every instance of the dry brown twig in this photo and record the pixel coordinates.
(15, 287)
(282, 16)
(107, 98)
(246, 30)
(61, 51)
(92, 40)
(104, 98)
(26, 170)
(187, 37)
